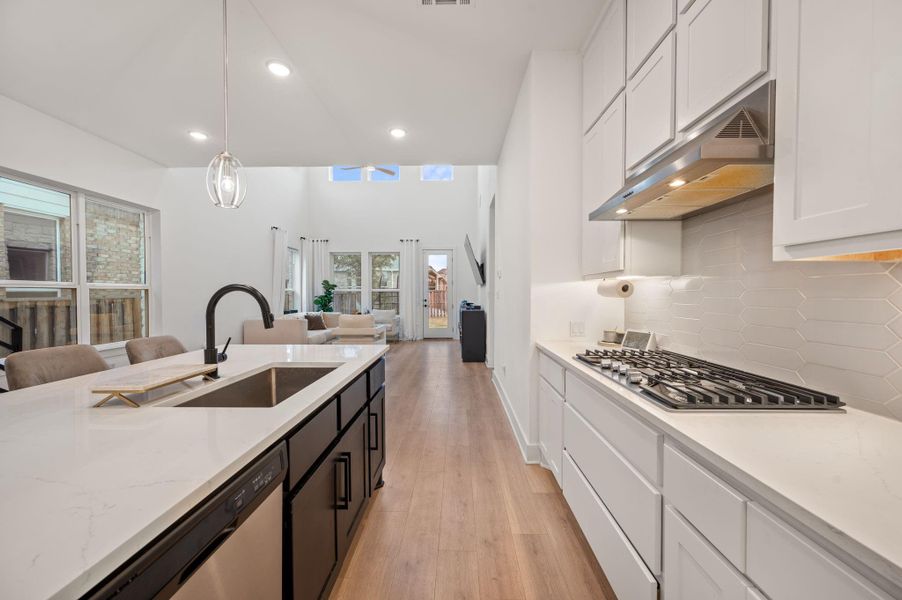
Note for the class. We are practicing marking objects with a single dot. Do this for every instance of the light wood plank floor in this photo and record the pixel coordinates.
(461, 516)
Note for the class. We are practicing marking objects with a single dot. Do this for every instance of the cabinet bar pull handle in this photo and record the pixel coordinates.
(348, 480)
(374, 418)
(343, 500)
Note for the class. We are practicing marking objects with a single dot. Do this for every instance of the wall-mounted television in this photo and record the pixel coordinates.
(478, 268)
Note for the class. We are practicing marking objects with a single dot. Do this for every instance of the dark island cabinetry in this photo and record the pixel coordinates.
(336, 461)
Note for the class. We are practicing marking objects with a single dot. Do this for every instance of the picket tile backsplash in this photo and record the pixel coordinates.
(832, 326)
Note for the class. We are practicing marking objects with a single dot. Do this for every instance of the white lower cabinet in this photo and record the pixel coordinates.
(633, 501)
(623, 566)
(715, 509)
(651, 511)
(636, 441)
(773, 545)
(551, 427)
(695, 570)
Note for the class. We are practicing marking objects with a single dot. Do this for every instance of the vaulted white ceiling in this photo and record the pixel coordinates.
(141, 74)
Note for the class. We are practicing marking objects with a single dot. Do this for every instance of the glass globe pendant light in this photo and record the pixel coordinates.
(225, 179)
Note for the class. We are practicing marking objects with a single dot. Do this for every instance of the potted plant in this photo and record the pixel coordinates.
(324, 301)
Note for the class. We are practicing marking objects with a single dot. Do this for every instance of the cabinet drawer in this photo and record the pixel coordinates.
(352, 400)
(626, 572)
(375, 378)
(551, 427)
(634, 503)
(713, 507)
(636, 441)
(695, 570)
(772, 545)
(305, 446)
(552, 372)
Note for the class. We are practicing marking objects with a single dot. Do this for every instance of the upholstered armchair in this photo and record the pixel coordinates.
(391, 319)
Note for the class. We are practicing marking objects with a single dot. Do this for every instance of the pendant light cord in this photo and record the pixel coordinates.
(225, 71)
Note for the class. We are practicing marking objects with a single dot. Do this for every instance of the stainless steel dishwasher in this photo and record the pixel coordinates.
(228, 548)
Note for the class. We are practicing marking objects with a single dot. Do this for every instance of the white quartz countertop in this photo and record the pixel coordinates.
(82, 489)
(838, 475)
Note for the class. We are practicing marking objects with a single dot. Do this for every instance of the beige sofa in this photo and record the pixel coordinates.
(291, 330)
(359, 329)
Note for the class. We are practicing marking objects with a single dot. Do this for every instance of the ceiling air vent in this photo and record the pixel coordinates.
(445, 2)
(740, 127)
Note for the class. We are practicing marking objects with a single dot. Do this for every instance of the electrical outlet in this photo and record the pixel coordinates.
(577, 329)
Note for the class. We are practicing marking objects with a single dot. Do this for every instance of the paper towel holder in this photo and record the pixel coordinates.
(615, 288)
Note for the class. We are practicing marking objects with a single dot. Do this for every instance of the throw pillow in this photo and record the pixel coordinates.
(315, 322)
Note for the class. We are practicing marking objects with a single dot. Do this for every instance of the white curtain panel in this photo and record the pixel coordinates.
(411, 305)
(303, 278)
(321, 268)
(279, 264)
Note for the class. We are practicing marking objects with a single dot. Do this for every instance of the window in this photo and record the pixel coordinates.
(347, 275)
(437, 173)
(377, 175)
(341, 173)
(293, 282)
(345, 173)
(385, 268)
(39, 243)
(115, 270)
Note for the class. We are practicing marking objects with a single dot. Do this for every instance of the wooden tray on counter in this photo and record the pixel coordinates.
(145, 381)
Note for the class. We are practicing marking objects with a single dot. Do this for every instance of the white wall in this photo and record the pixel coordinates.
(41, 146)
(487, 186)
(205, 247)
(201, 247)
(539, 287)
(374, 216)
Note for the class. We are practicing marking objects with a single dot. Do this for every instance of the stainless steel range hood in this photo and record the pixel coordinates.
(723, 162)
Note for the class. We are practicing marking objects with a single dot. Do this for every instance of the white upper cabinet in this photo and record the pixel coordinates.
(721, 47)
(684, 5)
(838, 125)
(647, 22)
(604, 63)
(602, 247)
(650, 105)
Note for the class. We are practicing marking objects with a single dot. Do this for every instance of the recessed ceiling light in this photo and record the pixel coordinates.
(199, 136)
(278, 69)
(676, 183)
(398, 133)
(622, 211)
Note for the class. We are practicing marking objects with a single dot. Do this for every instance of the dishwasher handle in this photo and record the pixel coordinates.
(206, 552)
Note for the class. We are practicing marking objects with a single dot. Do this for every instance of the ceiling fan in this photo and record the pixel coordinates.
(371, 168)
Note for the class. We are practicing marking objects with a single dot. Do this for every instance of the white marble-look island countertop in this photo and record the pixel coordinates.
(837, 475)
(82, 489)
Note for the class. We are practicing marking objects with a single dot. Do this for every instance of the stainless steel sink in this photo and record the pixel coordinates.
(260, 390)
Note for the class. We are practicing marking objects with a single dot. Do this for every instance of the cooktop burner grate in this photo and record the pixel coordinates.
(684, 382)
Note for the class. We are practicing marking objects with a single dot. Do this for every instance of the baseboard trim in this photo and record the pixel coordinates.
(532, 455)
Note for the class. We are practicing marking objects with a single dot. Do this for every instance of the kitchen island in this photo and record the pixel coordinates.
(84, 489)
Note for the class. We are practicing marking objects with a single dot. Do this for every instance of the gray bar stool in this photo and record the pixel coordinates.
(34, 367)
(151, 348)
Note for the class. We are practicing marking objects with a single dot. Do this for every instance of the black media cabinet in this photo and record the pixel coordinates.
(471, 326)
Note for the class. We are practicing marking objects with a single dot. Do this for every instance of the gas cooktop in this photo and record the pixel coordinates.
(683, 382)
